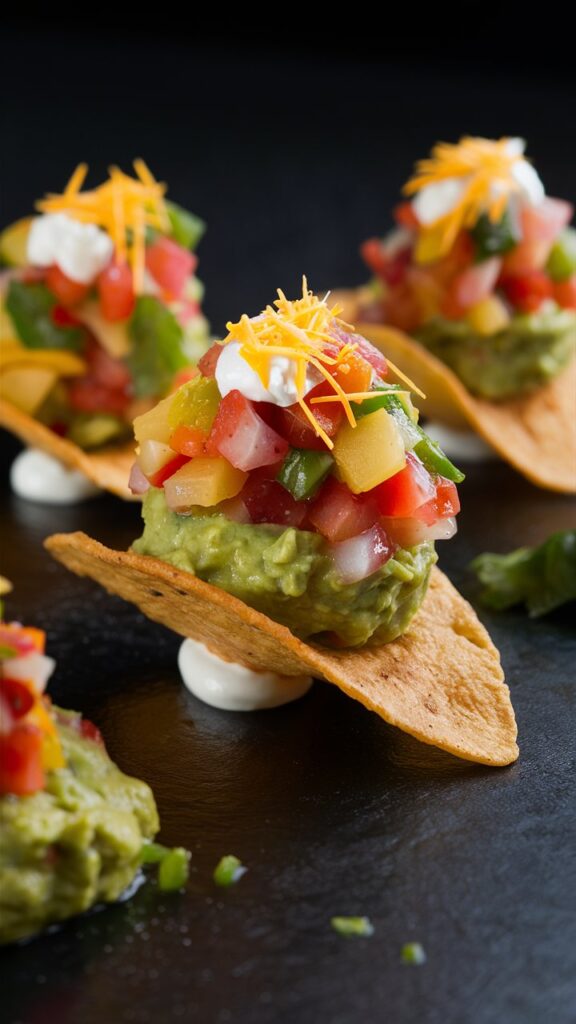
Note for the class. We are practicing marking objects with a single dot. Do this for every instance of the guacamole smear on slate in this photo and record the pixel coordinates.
(481, 268)
(292, 473)
(72, 825)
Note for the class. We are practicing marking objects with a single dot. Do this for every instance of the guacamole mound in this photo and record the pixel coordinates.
(73, 844)
(285, 573)
(532, 350)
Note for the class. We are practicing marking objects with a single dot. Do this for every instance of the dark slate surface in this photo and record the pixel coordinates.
(293, 161)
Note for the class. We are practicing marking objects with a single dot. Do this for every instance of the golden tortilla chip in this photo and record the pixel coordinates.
(441, 682)
(534, 433)
(109, 467)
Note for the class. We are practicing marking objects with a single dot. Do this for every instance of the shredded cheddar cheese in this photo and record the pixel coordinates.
(122, 206)
(485, 169)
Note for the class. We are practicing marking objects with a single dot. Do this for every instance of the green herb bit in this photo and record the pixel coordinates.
(185, 227)
(157, 353)
(229, 870)
(302, 472)
(350, 926)
(30, 307)
(153, 853)
(413, 953)
(542, 577)
(562, 259)
(434, 459)
(491, 239)
(173, 870)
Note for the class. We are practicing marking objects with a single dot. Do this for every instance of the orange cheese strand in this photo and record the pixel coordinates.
(122, 206)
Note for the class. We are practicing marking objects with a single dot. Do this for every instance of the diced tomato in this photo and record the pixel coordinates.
(474, 284)
(526, 257)
(401, 308)
(443, 505)
(104, 368)
(338, 514)
(67, 291)
(170, 264)
(207, 365)
(461, 255)
(391, 265)
(365, 348)
(90, 731)
(268, 502)
(17, 695)
(86, 395)
(21, 771)
(405, 215)
(406, 491)
(372, 252)
(241, 435)
(183, 376)
(527, 293)
(294, 425)
(545, 221)
(353, 375)
(63, 317)
(188, 441)
(116, 292)
(565, 293)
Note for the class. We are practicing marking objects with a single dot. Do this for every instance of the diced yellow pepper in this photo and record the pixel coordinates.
(370, 452)
(195, 404)
(488, 316)
(14, 243)
(203, 481)
(154, 425)
(26, 387)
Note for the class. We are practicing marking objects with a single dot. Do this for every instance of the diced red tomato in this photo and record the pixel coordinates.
(353, 375)
(461, 255)
(268, 502)
(241, 435)
(116, 292)
(90, 731)
(188, 441)
(170, 265)
(67, 291)
(525, 257)
(21, 771)
(545, 221)
(405, 215)
(389, 266)
(443, 505)
(183, 376)
(406, 491)
(295, 427)
(63, 317)
(401, 308)
(338, 514)
(565, 293)
(474, 284)
(86, 395)
(104, 368)
(17, 695)
(527, 293)
(365, 348)
(207, 365)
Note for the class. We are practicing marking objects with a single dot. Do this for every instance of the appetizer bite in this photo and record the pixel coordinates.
(72, 825)
(290, 495)
(480, 272)
(100, 313)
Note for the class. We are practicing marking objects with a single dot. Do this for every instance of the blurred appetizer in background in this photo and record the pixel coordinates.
(100, 315)
(72, 825)
(480, 272)
(290, 495)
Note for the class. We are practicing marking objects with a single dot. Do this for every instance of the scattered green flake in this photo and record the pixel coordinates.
(229, 870)
(353, 926)
(173, 870)
(153, 853)
(413, 953)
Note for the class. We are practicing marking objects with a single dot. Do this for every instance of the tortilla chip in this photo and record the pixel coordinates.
(108, 467)
(441, 682)
(535, 433)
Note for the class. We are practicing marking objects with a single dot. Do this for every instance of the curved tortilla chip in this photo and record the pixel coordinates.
(441, 682)
(535, 433)
(108, 467)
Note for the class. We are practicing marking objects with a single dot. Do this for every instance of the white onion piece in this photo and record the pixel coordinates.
(154, 455)
(408, 532)
(35, 668)
(137, 482)
(361, 556)
(234, 509)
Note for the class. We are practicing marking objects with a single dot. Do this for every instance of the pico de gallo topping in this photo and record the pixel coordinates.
(481, 268)
(100, 305)
(294, 420)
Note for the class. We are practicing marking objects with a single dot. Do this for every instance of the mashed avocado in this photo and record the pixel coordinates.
(73, 844)
(531, 351)
(285, 573)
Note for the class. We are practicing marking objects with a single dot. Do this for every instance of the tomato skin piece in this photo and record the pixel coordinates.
(402, 494)
(338, 514)
(188, 441)
(170, 265)
(209, 361)
(527, 293)
(565, 293)
(167, 470)
(21, 771)
(268, 502)
(444, 504)
(67, 291)
(405, 215)
(116, 292)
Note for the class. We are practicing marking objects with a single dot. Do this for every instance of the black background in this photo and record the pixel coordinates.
(293, 146)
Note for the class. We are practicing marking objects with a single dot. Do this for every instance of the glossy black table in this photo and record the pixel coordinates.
(332, 811)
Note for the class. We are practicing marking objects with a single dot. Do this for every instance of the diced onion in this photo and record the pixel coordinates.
(137, 482)
(361, 556)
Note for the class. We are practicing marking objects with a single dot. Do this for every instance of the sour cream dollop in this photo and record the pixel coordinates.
(233, 373)
(435, 201)
(232, 687)
(80, 250)
(36, 476)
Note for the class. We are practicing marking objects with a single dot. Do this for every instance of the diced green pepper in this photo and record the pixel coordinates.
(157, 352)
(173, 870)
(229, 870)
(491, 239)
(562, 259)
(185, 227)
(153, 853)
(433, 458)
(302, 472)
(195, 404)
(31, 308)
